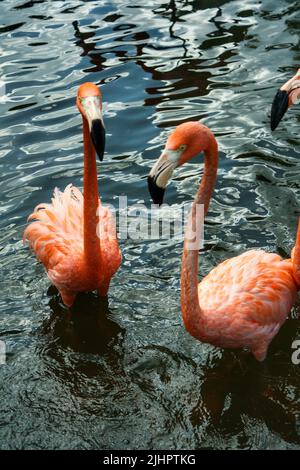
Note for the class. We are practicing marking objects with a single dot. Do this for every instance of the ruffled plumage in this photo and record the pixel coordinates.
(56, 237)
(57, 228)
(245, 300)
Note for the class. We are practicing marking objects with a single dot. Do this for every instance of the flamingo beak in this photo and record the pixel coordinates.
(98, 137)
(156, 193)
(285, 97)
(91, 106)
(279, 108)
(159, 176)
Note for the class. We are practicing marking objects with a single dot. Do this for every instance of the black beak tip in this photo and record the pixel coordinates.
(279, 107)
(156, 193)
(98, 137)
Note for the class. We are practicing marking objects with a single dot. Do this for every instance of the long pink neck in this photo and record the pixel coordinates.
(91, 201)
(190, 307)
(296, 257)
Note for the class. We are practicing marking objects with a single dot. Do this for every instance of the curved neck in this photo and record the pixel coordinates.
(90, 202)
(190, 307)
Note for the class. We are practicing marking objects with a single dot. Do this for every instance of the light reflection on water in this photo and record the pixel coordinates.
(126, 374)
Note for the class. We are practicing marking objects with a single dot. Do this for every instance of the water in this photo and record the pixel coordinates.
(125, 374)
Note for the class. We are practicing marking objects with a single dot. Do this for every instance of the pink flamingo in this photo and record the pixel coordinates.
(285, 97)
(244, 301)
(74, 236)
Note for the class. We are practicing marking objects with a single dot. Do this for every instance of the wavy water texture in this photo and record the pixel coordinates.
(126, 374)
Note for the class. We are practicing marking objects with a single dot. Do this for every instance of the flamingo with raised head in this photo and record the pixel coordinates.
(244, 300)
(285, 97)
(74, 236)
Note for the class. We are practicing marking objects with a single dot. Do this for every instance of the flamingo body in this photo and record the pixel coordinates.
(56, 237)
(74, 236)
(245, 300)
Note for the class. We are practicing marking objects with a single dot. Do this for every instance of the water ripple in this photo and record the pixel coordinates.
(126, 374)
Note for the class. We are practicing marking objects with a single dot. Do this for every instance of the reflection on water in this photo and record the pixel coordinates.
(125, 374)
(86, 327)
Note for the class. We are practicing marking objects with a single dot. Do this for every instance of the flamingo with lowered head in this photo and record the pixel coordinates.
(285, 97)
(244, 300)
(74, 236)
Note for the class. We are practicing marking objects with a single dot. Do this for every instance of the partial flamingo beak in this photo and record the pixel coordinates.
(285, 97)
(156, 193)
(98, 137)
(279, 108)
(160, 174)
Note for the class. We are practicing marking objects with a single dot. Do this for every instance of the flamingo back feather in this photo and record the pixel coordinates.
(57, 227)
(246, 299)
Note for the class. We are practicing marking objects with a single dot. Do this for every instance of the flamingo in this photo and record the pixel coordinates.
(74, 236)
(285, 97)
(242, 302)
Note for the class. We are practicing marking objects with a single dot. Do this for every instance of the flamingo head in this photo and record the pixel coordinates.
(89, 102)
(185, 142)
(285, 97)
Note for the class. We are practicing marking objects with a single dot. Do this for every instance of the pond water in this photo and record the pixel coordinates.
(124, 373)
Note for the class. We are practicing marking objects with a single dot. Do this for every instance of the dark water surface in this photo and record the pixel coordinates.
(125, 374)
